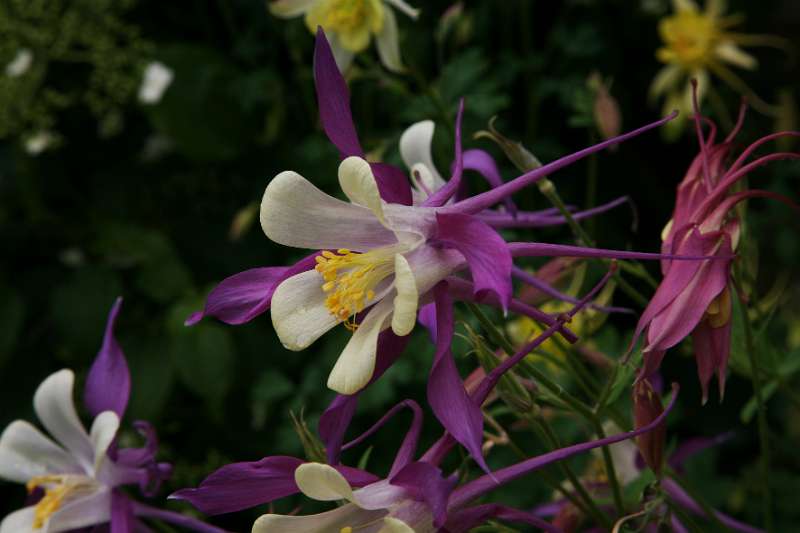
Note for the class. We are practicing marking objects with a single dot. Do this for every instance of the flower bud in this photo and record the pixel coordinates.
(605, 109)
(646, 408)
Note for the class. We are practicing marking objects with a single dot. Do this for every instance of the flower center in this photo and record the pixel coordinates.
(57, 490)
(345, 16)
(689, 37)
(351, 279)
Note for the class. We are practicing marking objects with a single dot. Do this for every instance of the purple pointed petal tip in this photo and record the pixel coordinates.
(239, 486)
(108, 384)
(333, 100)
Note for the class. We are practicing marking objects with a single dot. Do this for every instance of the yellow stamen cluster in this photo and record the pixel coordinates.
(347, 529)
(353, 21)
(350, 279)
(690, 38)
(57, 489)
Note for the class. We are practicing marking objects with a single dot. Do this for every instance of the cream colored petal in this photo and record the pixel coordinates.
(104, 429)
(55, 408)
(355, 365)
(296, 213)
(358, 184)
(415, 147)
(734, 55)
(342, 56)
(715, 8)
(25, 453)
(404, 7)
(19, 521)
(685, 5)
(393, 525)
(290, 8)
(322, 482)
(298, 310)
(388, 43)
(405, 302)
(334, 521)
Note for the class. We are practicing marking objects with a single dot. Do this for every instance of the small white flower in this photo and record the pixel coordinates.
(157, 77)
(20, 64)
(39, 142)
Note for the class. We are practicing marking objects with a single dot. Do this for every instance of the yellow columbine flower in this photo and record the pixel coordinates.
(696, 43)
(350, 25)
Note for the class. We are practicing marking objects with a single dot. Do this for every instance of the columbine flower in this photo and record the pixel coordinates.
(76, 477)
(695, 43)
(20, 64)
(351, 25)
(695, 297)
(415, 497)
(157, 78)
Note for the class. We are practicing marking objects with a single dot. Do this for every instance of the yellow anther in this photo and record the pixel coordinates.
(57, 489)
(346, 529)
(350, 279)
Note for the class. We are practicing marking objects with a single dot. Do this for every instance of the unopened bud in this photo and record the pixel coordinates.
(242, 221)
(607, 116)
(646, 408)
(522, 158)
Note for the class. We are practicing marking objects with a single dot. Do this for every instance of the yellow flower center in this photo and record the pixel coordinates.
(57, 489)
(351, 279)
(690, 38)
(347, 529)
(352, 20)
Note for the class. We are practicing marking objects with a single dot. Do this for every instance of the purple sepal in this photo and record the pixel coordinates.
(152, 474)
(243, 485)
(333, 100)
(122, 519)
(485, 250)
(427, 317)
(693, 446)
(448, 398)
(483, 163)
(466, 519)
(336, 419)
(677, 494)
(246, 295)
(425, 483)
(108, 385)
(393, 184)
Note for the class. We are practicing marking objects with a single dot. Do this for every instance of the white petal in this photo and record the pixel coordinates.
(405, 302)
(393, 525)
(322, 482)
(295, 213)
(25, 453)
(349, 515)
(104, 429)
(355, 365)
(20, 64)
(290, 8)
(55, 408)
(89, 510)
(298, 310)
(358, 184)
(157, 78)
(388, 43)
(379, 495)
(415, 147)
(431, 265)
(401, 5)
(19, 522)
(731, 53)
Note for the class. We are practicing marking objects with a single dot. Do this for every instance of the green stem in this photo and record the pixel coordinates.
(611, 472)
(763, 429)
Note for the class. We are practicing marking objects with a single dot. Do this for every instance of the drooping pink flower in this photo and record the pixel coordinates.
(695, 296)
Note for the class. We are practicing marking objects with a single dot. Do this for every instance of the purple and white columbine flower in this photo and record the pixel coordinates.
(75, 477)
(415, 496)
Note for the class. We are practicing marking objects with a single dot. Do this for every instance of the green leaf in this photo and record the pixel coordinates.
(152, 376)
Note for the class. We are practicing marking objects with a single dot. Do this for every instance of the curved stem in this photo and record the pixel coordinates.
(140, 509)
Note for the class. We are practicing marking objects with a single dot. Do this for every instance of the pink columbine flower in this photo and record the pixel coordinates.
(695, 296)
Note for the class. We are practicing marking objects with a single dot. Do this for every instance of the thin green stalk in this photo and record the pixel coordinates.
(763, 429)
(547, 434)
(611, 472)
